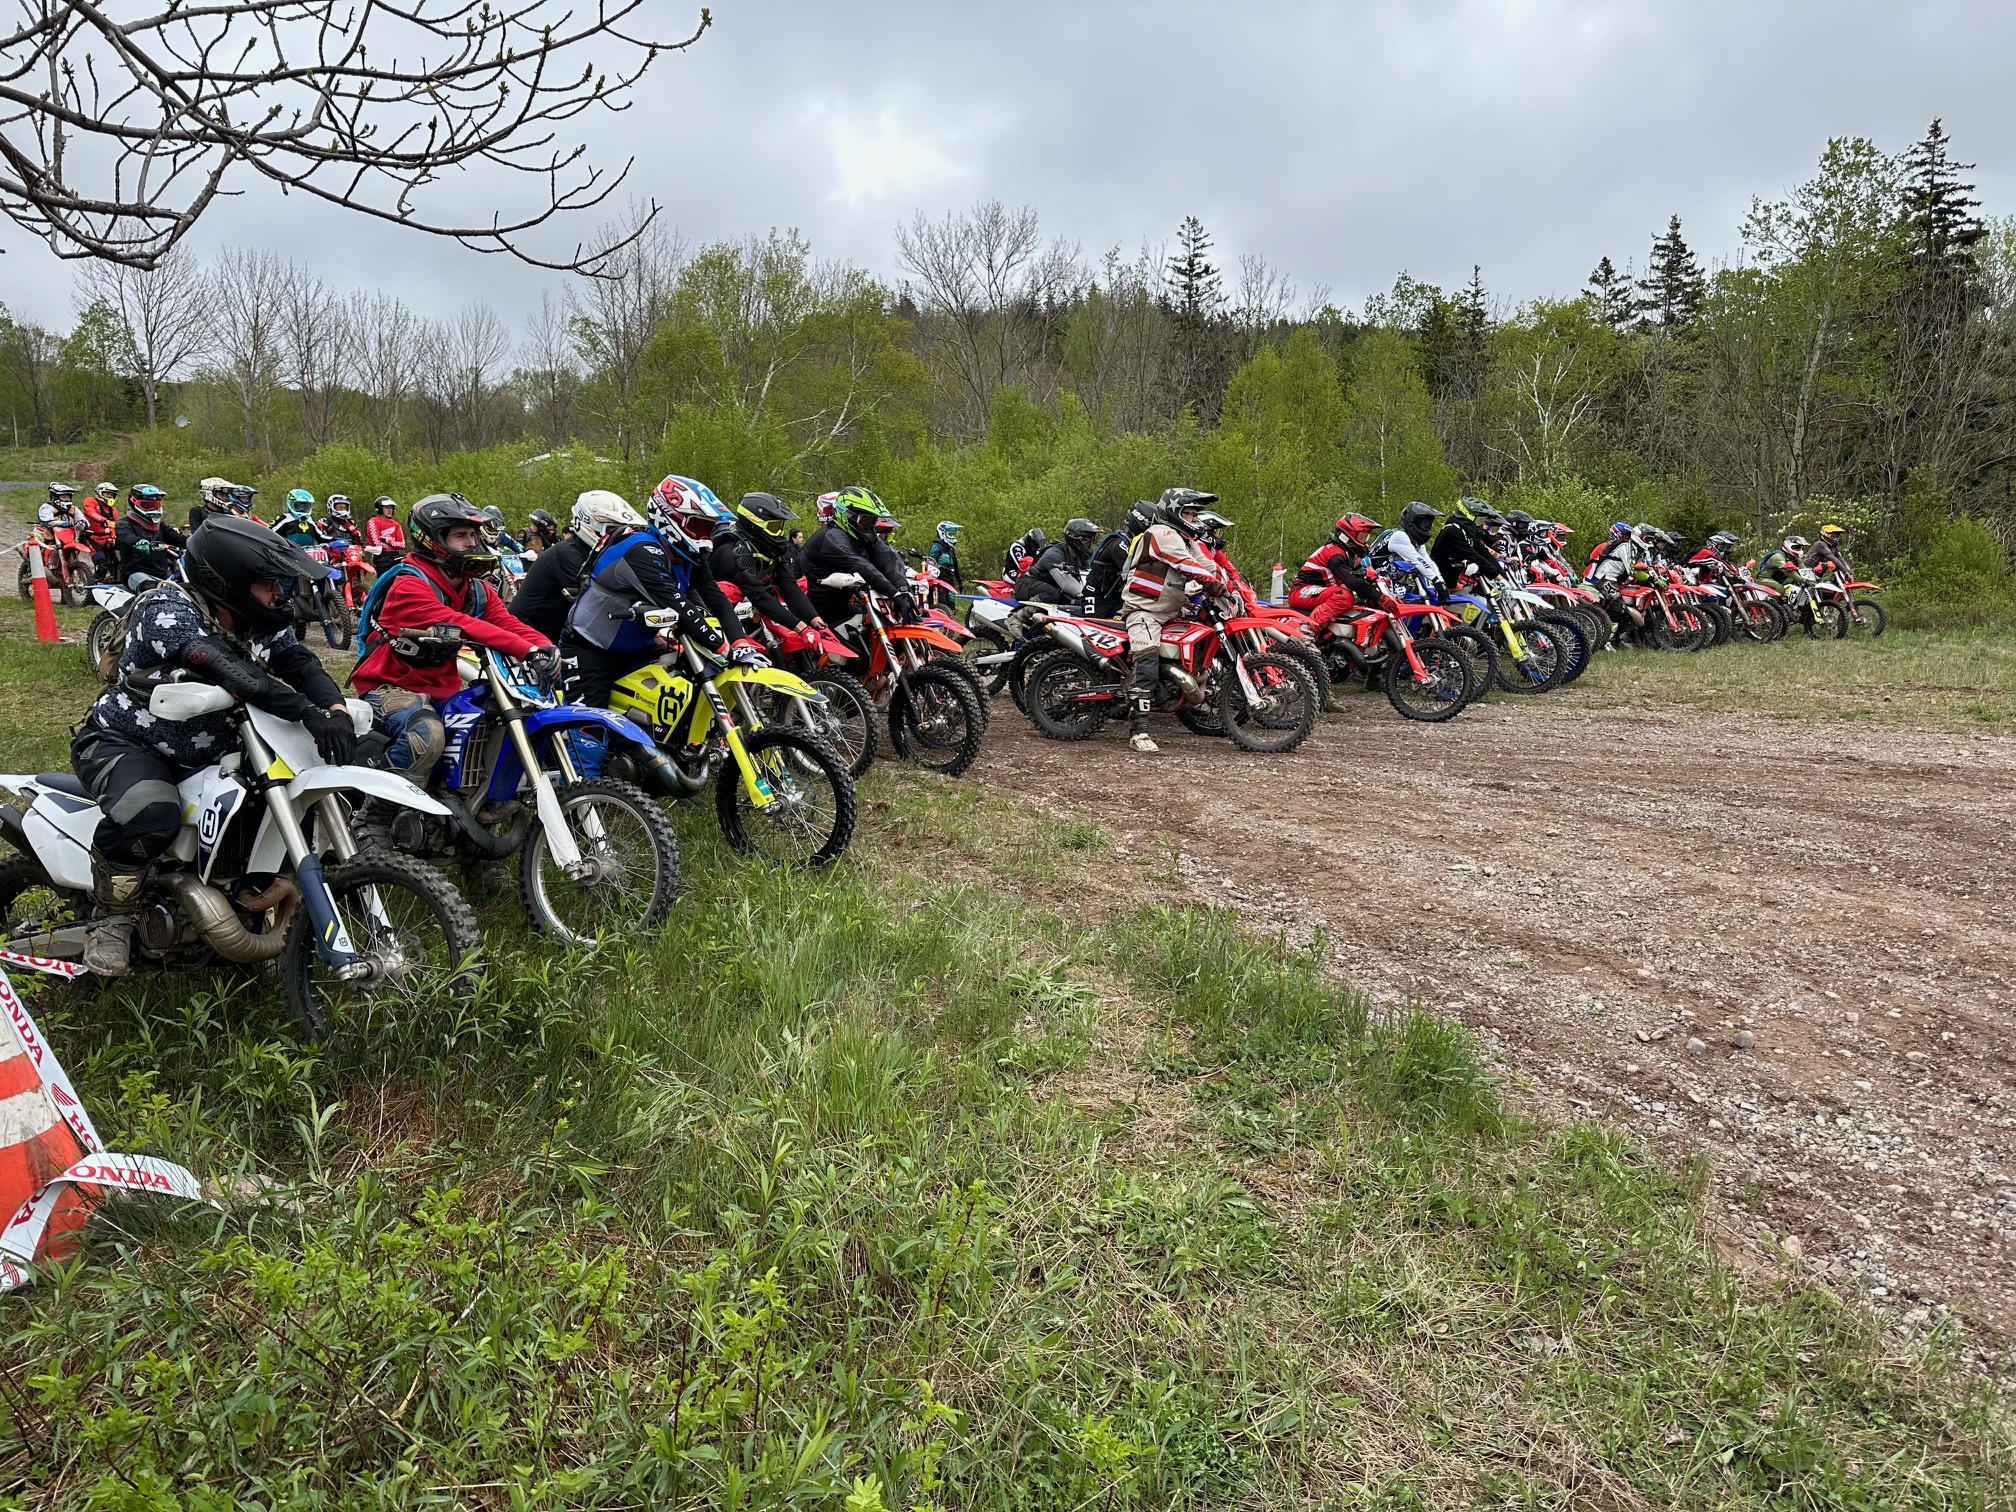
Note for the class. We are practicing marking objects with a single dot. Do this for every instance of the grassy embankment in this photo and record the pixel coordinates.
(953, 1177)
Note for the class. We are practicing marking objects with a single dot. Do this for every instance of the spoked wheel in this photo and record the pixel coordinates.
(27, 578)
(337, 620)
(1541, 667)
(1444, 686)
(1828, 622)
(1296, 649)
(1279, 712)
(406, 920)
(105, 643)
(1058, 691)
(987, 641)
(1686, 631)
(845, 723)
(1866, 619)
(937, 723)
(1574, 644)
(629, 873)
(76, 584)
(809, 817)
(1484, 653)
(1721, 623)
(973, 680)
(1760, 620)
(32, 904)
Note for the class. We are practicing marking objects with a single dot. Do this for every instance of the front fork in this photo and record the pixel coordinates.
(332, 940)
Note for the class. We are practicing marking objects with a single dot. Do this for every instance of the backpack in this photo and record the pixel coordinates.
(370, 637)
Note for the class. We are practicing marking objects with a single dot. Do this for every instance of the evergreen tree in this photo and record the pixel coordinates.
(1939, 211)
(1473, 320)
(1671, 293)
(1199, 341)
(1610, 292)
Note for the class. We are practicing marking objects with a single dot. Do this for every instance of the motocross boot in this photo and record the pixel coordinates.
(108, 941)
(1137, 724)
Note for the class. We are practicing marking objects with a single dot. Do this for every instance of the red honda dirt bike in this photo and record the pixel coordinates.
(1859, 618)
(65, 558)
(1754, 609)
(1217, 678)
(1671, 621)
(1551, 581)
(928, 587)
(1396, 645)
(346, 552)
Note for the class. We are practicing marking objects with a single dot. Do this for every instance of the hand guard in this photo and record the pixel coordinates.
(746, 653)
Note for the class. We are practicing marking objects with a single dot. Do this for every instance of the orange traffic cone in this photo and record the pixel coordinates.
(45, 611)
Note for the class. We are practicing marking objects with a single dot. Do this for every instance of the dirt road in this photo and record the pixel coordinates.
(1789, 948)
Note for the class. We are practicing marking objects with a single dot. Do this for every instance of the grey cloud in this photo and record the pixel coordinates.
(1343, 141)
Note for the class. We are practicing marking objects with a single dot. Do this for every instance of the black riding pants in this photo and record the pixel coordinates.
(135, 788)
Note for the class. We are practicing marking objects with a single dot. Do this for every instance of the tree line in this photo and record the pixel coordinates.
(1854, 359)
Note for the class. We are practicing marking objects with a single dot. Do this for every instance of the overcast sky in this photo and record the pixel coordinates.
(1343, 141)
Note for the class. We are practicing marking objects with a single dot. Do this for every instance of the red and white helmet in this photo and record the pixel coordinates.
(686, 514)
(825, 506)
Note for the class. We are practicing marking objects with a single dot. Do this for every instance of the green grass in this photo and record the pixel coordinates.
(1951, 679)
(897, 1186)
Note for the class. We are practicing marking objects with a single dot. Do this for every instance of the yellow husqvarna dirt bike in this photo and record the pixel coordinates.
(778, 792)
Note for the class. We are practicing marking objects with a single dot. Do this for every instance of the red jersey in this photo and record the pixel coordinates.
(413, 603)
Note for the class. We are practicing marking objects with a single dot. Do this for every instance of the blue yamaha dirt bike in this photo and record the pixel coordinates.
(522, 773)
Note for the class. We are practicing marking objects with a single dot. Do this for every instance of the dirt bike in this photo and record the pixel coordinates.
(844, 717)
(1755, 612)
(778, 792)
(1535, 652)
(1402, 647)
(597, 857)
(105, 638)
(1670, 621)
(1581, 607)
(320, 601)
(345, 552)
(1216, 678)
(1861, 618)
(266, 867)
(935, 718)
(66, 559)
(927, 587)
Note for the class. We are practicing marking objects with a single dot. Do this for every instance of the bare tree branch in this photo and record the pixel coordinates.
(116, 136)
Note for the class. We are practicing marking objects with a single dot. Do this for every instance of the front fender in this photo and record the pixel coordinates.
(925, 634)
(771, 677)
(370, 781)
(577, 716)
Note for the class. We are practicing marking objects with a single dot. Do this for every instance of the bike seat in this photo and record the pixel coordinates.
(63, 782)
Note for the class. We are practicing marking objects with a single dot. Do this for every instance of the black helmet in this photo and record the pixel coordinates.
(1139, 518)
(764, 521)
(544, 520)
(1215, 525)
(430, 522)
(227, 555)
(1036, 541)
(1418, 520)
(1181, 505)
(384, 502)
(1079, 535)
(1520, 521)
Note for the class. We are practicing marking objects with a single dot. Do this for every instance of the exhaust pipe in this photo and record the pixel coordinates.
(496, 847)
(1190, 689)
(218, 922)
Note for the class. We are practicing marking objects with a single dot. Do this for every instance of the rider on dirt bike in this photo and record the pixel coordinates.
(498, 534)
(1464, 545)
(213, 501)
(1057, 576)
(241, 496)
(1334, 578)
(753, 551)
(944, 553)
(336, 519)
(1165, 566)
(1622, 560)
(222, 622)
(417, 618)
(298, 523)
(663, 566)
(1619, 540)
(1784, 563)
(101, 528)
(554, 581)
(856, 544)
(1711, 563)
(1106, 577)
(542, 532)
(141, 536)
(1408, 544)
(1023, 551)
(1825, 554)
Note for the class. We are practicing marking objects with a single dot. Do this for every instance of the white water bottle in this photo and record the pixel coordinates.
(1280, 589)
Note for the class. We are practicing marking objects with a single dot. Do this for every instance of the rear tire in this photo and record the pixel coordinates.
(1289, 712)
(987, 641)
(104, 643)
(1866, 619)
(940, 728)
(1051, 690)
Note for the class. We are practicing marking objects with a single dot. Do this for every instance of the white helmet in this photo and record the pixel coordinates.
(212, 491)
(597, 512)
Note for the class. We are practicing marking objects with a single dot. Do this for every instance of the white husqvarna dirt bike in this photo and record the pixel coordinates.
(246, 879)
